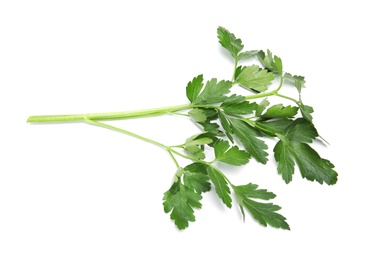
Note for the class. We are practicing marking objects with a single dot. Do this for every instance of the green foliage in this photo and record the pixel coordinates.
(194, 146)
(297, 81)
(230, 155)
(181, 201)
(229, 42)
(254, 78)
(194, 88)
(195, 177)
(213, 92)
(233, 130)
(221, 185)
(311, 165)
(279, 111)
(264, 213)
(286, 164)
(237, 105)
(273, 64)
(248, 136)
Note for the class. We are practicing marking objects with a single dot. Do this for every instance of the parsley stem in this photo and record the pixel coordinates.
(169, 149)
(271, 93)
(183, 155)
(96, 123)
(178, 114)
(281, 82)
(107, 116)
(173, 158)
(289, 98)
(261, 95)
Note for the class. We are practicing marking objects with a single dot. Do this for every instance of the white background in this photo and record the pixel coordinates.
(73, 191)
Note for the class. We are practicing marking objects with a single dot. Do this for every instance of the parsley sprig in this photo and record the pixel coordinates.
(232, 127)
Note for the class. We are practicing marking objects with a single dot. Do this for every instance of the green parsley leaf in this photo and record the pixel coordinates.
(226, 125)
(238, 70)
(221, 185)
(251, 191)
(285, 162)
(195, 177)
(229, 42)
(306, 111)
(180, 201)
(301, 130)
(194, 87)
(273, 64)
(197, 115)
(230, 155)
(292, 147)
(297, 81)
(211, 127)
(194, 146)
(195, 151)
(266, 59)
(261, 107)
(210, 113)
(237, 105)
(201, 115)
(275, 126)
(214, 92)
(311, 165)
(264, 213)
(198, 139)
(247, 54)
(248, 137)
(277, 65)
(254, 78)
(280, 111)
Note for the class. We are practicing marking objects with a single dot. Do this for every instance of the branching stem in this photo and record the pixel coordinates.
(169, 149)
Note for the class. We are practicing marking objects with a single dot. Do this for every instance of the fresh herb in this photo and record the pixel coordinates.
(232, 129)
